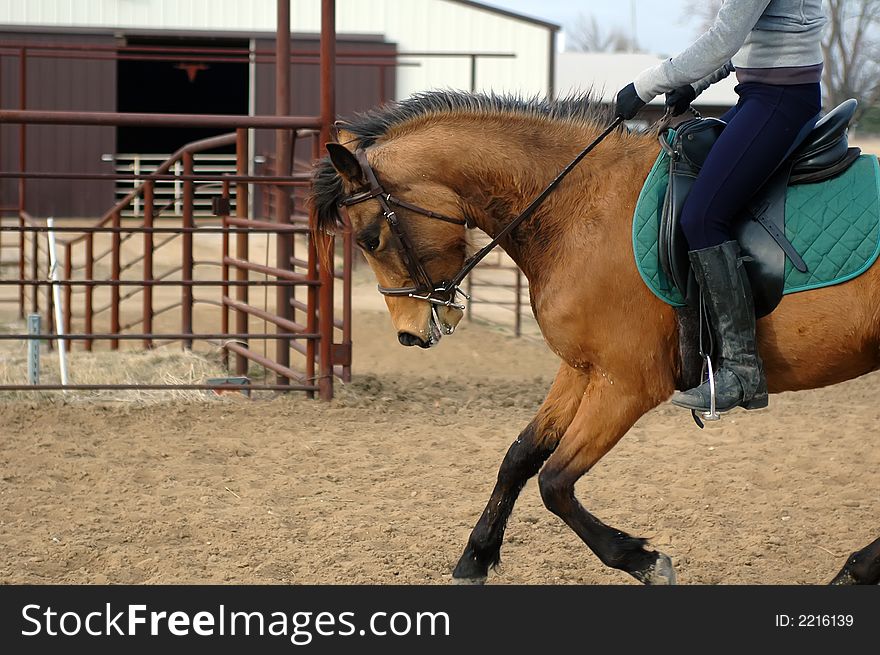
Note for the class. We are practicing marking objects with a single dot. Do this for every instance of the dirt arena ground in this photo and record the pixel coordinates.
(384, 484)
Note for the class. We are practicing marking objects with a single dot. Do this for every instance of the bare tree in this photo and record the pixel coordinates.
(852, 53)
(585, 35)
(703, 12)
(851, 48)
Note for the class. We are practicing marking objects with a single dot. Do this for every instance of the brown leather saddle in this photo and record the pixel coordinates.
(760, 229)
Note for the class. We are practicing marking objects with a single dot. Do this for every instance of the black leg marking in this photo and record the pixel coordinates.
(862, 567)
(522, 461)
(613, 547)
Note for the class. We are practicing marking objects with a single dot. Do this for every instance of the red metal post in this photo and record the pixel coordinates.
(282, 169)
(328, 115)
(89, 290)
(114, 275)
(22, 165)
(348, 254)
(187, 259)
(68, 292)
(148, 263)
(312, 290)
(241, 242)
(224, 290)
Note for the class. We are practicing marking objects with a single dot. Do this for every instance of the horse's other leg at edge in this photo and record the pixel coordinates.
(522, 461)
(862, 567)
(607, 411)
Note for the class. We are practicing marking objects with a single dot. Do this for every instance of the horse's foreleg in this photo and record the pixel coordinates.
(608, 410)
(862, 567)
(522, 461)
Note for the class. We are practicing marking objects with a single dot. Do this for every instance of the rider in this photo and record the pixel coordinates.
(776, 52)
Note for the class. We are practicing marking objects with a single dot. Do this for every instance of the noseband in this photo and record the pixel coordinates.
(424, 288)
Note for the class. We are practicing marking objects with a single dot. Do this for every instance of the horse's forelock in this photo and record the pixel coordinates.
(327, 191)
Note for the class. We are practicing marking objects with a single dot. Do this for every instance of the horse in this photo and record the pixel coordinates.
(415, 175)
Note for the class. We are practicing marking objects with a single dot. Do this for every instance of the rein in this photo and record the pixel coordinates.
(445, 293)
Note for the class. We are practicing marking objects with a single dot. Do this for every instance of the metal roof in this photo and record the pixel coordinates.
(508, 14)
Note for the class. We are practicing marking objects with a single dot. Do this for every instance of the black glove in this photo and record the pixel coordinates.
(627, 103)
(680, 99)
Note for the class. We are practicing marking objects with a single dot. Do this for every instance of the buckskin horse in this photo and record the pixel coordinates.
(415, 175)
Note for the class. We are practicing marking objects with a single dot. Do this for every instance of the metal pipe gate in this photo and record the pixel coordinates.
(113, 261)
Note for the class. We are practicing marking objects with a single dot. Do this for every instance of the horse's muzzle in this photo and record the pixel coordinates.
(407, 339)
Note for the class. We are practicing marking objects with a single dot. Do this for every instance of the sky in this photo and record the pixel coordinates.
(661, 26)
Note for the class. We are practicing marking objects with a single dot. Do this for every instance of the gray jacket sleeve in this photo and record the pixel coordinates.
(706, 55)
(717, 76)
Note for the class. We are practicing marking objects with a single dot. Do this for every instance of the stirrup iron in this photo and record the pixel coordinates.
(712, 414)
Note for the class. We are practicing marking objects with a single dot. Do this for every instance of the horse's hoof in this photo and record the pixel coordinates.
(469, 581)
(660, 573)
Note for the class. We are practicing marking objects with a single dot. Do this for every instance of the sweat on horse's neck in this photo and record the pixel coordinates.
(497, 167)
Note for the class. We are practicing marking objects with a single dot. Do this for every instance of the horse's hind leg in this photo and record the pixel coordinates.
(862, 567)
(522, 461)
(608, 410)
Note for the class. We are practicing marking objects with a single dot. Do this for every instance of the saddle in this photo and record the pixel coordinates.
(760, 229)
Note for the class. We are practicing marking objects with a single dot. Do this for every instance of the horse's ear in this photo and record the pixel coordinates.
(345, 163)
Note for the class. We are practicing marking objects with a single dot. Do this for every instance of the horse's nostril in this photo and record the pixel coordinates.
(407, 339)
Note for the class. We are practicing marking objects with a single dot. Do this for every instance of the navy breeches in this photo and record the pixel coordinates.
(766, 125)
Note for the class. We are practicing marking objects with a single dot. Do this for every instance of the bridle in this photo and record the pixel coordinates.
(424, 288)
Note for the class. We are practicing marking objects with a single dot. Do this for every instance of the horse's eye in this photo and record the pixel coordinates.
(368, 238)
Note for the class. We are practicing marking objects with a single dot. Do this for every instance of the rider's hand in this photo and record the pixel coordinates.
(627, 103)
(678, 100)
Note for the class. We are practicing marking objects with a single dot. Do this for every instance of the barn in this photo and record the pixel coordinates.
(200, 57)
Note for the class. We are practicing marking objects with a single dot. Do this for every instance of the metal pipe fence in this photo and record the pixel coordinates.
(121, 258)
(91, 266)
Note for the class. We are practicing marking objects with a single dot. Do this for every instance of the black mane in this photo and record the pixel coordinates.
(371, 125)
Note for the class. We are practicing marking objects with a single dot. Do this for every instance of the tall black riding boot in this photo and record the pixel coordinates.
(739, 379)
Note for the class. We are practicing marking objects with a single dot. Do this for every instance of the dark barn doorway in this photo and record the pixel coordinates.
(163, 84)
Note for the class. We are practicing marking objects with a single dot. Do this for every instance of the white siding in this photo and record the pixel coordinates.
(415, 25)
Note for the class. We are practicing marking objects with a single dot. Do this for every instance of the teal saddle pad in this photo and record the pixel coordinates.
(834, 225)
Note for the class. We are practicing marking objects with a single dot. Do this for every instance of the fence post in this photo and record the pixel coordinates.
(187, 259)
(21, 265)
(33, 324)
(22, 182)
(224, 290)
(60, 328)
(241, 243)
(328, 116)
(283, 151)
(348, 260)
(90, 289)
(148, 264)
(114, 276)
(312, 291)
(68, 292)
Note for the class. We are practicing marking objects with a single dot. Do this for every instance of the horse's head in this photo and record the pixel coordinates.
(407, 226)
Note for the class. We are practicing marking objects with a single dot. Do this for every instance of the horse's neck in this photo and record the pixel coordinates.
(507, 170)
(501, 170)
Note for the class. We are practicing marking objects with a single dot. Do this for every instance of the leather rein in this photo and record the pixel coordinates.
(424, 288)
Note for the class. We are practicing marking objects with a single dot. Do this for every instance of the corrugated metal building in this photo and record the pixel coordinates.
(414, 25)
(438, 34)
